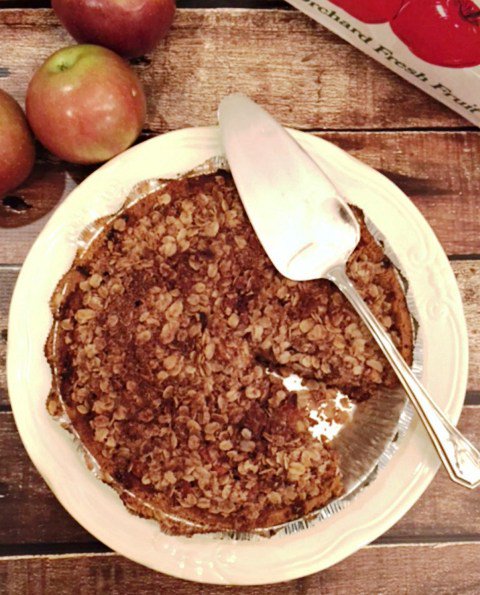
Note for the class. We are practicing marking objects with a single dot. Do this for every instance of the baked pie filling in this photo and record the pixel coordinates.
(172, 340)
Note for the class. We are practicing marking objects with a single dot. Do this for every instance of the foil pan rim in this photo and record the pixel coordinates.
(219, 162)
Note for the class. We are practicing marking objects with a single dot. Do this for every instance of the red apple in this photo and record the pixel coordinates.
(129, 27)
(85, 104)
(370, 11)
(17, 150)
(441, 32)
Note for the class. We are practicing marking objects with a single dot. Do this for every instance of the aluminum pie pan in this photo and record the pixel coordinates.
(365, 444)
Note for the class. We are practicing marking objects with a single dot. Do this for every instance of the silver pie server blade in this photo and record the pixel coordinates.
(309, 232)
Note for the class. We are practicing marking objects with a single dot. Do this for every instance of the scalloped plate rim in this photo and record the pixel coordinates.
(222, 562)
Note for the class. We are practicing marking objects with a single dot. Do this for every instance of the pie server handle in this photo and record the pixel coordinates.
(460, 457)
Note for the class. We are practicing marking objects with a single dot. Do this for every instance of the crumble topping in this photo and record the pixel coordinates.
(173, 335)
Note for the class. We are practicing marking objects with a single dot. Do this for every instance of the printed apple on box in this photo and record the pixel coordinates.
(434, 44)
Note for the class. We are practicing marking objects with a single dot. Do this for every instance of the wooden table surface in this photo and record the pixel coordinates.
(313, 81)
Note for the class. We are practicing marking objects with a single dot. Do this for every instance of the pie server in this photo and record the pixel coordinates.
(309, 232)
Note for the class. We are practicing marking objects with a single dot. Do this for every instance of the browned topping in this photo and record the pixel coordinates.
(174, 336)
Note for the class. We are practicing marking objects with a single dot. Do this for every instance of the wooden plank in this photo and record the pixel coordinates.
(467, 272)
(438, 170)
(30, 514)
(421, 569)
(180, 4)
(8, 277)
(23, 3)
(315, 81)
(24, 212)
(468, 278)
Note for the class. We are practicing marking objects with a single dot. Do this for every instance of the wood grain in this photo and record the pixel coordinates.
(8, 276)
(423, 569)
(32, 515)
(467, 272)
(180, 4)
(437, 170)
(30, 512)
(444, 189)
(315, 81)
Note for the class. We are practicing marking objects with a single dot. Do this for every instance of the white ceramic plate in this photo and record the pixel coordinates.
(204, 558)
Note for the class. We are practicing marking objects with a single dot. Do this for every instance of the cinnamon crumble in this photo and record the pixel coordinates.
(173, 336)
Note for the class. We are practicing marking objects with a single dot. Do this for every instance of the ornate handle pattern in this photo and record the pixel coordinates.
(460, 457)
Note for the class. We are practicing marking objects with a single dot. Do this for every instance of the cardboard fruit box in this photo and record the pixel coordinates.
(434, 44)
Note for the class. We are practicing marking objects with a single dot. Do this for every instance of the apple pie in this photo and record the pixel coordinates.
(172, 341)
